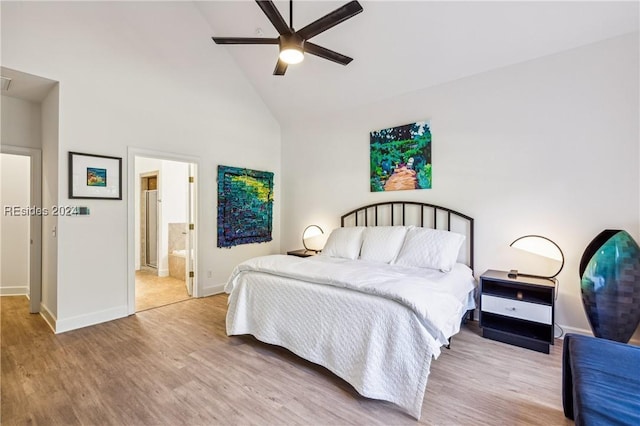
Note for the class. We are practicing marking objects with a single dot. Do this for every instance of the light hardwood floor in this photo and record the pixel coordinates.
(175, 365)
(153, 291)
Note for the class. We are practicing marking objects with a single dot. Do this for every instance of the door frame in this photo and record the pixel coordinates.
(35, 222)
(132, 153)
(142, 177)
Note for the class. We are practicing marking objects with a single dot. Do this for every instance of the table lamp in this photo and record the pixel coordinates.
(313, 238)
(541, 246)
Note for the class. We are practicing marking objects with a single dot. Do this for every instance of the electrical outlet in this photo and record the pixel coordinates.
(209, 274)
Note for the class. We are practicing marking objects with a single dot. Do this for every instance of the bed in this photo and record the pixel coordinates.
(390, 288)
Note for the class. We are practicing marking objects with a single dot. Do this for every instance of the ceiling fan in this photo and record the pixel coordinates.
(293, 44)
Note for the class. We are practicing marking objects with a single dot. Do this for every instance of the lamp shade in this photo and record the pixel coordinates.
(313, 238)
(542, 246)
(539, 245)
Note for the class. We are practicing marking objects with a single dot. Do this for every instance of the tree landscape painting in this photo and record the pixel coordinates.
(401, 157)
(96, 177)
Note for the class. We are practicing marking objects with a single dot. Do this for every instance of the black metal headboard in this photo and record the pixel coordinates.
(413, 213)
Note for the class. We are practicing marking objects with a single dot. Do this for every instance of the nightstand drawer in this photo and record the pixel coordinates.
(517, 309)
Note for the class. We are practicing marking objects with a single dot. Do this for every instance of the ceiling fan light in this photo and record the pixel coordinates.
(291, 55)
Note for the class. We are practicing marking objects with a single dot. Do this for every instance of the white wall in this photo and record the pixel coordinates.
(21, 123)
(548, 147)
(15, 188)
(124, 83)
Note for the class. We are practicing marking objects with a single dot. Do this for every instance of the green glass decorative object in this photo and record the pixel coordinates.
(610, 285)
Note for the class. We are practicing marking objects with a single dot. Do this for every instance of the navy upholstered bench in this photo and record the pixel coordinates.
(600, 381)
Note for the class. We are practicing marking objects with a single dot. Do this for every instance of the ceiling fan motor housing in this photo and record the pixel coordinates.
(291, 41)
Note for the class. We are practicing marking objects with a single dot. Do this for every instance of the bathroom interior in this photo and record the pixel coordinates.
(163, 257)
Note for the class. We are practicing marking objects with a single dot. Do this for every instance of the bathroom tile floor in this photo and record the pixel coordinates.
(153, 291)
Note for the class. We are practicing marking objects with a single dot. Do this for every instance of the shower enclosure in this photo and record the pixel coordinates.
(151, 228)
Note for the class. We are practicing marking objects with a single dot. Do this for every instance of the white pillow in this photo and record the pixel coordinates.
(344, 242)
(430, 248)
(382, 243)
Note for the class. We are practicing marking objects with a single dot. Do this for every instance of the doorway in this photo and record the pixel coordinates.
(21, 195)
(164, 245)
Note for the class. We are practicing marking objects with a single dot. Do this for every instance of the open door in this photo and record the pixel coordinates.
(35, 241)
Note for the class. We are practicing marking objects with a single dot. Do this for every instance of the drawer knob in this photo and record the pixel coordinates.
(510, 308)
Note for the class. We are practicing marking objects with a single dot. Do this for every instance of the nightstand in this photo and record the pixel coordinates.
(302, 253)
(518, 311)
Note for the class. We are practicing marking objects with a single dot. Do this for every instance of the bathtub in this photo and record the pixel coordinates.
(177, 264)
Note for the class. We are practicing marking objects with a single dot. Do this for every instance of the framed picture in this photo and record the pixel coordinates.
(95, 176)
(245, 206)
(401, 157)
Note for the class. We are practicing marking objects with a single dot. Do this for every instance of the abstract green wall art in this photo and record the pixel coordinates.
(245, 206)
(401, 157)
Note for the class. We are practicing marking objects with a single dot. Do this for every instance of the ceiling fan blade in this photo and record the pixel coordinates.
(244, 40)
(281, 67)
(330, 20)
(325, 53)
(274, 16)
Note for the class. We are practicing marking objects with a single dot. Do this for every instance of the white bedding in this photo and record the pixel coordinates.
(375, 325)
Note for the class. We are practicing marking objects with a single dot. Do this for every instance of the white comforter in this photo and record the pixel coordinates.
(380, 338)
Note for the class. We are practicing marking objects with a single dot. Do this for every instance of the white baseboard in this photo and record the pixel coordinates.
(14, 291)
(214, 289)
(163, 272)
(80, 321)
(583, 331)
(48, 317)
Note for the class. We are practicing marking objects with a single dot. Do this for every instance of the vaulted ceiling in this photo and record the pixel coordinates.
(404, 46)
(398, 46)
